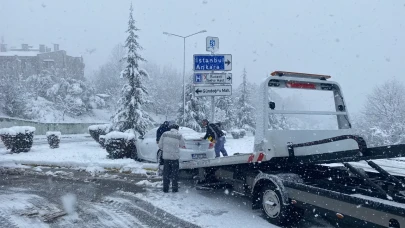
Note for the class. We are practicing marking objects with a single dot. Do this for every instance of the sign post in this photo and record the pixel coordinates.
(206, 81)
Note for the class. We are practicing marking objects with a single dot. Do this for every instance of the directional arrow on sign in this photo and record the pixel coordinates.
(213, 90)
(212, 78)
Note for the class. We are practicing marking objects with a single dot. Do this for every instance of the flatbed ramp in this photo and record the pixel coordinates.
(224, 161)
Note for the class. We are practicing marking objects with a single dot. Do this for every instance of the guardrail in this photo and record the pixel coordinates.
(42, 128)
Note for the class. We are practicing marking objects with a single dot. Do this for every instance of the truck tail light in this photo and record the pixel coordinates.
(301, 85)
(211, 146)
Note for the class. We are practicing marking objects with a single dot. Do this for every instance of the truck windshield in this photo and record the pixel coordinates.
(293, 107)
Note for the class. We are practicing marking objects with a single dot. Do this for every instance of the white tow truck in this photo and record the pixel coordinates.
(291, 172)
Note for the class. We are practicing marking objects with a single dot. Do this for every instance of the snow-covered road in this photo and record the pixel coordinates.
(44, 201)
(215, 209)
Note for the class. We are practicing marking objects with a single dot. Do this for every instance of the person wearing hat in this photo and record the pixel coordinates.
(170, 143)
(215, 135)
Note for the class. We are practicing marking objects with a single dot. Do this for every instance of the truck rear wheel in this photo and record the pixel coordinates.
(273, 208)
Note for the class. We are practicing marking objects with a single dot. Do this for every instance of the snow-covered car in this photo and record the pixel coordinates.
(196, 148)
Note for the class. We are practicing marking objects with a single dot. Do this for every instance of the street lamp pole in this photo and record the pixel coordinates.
(184, 66)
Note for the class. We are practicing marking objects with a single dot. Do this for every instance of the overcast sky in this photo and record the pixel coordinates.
(359, 43)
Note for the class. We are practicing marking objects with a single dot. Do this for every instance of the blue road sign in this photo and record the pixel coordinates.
(198, 78)
(212, 44)
(212, 62)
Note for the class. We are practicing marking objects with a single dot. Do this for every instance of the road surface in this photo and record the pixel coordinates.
(70, 200)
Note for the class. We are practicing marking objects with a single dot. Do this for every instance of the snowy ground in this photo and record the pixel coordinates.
(41, 201)
(215, 209)
(219, 208)
(206, 209)
(80, 151)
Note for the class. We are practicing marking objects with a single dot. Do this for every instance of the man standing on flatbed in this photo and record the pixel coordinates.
(215, 135)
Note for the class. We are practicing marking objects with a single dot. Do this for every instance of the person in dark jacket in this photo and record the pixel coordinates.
(162, 129)
(215, 135)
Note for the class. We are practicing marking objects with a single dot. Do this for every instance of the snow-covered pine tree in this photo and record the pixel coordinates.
(133, 95)
(196, 109)
(225, 106)
(245, 117)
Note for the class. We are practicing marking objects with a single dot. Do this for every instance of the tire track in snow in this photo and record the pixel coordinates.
(113, 214)
(5, 221)
(147, 209)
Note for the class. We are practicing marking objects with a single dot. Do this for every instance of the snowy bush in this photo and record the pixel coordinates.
(6, 138)
(120, 144)
(97, 102)
(238, 133)
(101, 140)
(18, 139)
(53, 138)
(99, 129)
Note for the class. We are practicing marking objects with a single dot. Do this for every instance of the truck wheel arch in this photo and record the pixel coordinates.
(262, 180)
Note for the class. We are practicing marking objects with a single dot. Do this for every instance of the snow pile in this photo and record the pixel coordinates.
(12, 165)
(94, 170)
(4, 131)
(37, 169)
(56, 133)
(134, 168)
(119, 135)
(17, 130)
(103, 127)
(148, 183)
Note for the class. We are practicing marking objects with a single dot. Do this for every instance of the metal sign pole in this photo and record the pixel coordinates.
(212, 100)
(212, 109)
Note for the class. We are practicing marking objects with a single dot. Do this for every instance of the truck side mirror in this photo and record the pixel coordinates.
(272, 105)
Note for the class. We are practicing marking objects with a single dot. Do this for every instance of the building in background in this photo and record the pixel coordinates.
(26, 61)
